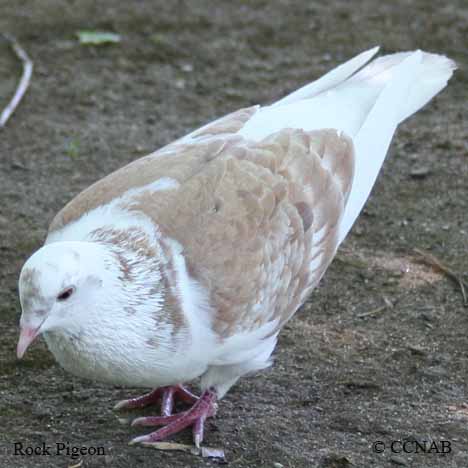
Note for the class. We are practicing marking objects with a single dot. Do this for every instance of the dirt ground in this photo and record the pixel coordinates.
(379, 353)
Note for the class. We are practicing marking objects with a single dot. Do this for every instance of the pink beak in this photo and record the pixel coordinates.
(27, 336)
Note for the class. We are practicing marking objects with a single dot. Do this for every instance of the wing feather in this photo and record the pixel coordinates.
(258, 221)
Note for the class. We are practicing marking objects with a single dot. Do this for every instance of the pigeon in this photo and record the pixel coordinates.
(184, 265)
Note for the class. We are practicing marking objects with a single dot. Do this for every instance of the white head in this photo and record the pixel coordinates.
(59, 286)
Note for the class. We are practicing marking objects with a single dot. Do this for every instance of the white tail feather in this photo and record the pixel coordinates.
(373, 139)
(367, 105)
(407, 82)
(430, 77)
(331, 79)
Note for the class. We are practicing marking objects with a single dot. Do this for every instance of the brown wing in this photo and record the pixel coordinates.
(259, 222)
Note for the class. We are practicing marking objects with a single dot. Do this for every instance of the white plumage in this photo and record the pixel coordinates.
(186, 263)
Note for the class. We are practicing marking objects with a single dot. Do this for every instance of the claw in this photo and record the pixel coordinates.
(164, 394)
(142, 401)
(155, 420)
(139, 440)
(198, 430)
(196, 416)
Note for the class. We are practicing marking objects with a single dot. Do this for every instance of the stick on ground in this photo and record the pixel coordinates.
(434, 262)
(23, 83)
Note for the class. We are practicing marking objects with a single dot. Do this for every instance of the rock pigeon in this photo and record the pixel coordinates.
(185, 264)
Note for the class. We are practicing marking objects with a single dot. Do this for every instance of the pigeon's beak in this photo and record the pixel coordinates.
(27, 336)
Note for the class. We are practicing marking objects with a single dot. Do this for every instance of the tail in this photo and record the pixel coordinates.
(431, 76)
(406, 81)
(367, 105)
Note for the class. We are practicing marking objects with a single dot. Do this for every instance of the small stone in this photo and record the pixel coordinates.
(18, 165)
(187, 67)
(420, 172)
(418, 350)
(124, 421)
(398, 461)
(179, 84)
(140, 149)
(277, 465)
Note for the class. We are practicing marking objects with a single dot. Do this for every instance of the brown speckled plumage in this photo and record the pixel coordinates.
(251, 217)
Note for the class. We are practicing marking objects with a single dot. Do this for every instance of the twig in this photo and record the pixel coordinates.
(23, 83)
(372, 312)
(205, 452)
(77, 465)
(434, 262)
(354, 262)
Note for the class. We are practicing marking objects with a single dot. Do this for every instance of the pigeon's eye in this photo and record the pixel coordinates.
(65, 294)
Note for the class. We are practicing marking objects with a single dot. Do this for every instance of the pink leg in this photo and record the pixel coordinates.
(167, 403)
(203, 408)
(164, 394)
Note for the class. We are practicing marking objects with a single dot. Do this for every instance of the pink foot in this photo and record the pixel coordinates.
(203, 408)
(165, 395)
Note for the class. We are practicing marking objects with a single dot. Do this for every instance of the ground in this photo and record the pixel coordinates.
(380, 351)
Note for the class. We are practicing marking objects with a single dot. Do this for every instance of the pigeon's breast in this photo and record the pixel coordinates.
(119, 362)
